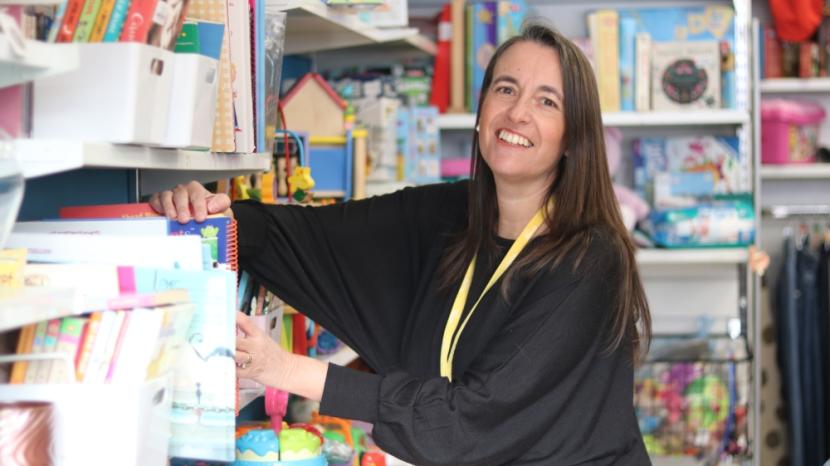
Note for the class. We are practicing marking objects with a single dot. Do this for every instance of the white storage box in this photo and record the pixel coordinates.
(192, 101)
(120, 93)
(103, 425)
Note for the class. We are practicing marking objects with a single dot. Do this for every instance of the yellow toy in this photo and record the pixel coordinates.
(301, 183)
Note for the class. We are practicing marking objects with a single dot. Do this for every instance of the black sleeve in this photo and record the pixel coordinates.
(499, 409)
(352, 267)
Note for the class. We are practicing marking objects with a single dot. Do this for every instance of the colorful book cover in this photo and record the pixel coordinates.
(140, 17)
(116, 21)
(108, 211)
(85, 23)
(33, 369)
(604, 29)
(685, 75)
(483, 24)
(102, 347)
(70, 20)
(457, 61)
(102, 19)
(772, 54)
(24, 346)
(87, 343)
(69, 342)
(211, 38)
(511, 16)
(698, 23)
(13, 110)
(188, 41)
(258, 65)
(57, 21)
(50, 344)
(204, 394)
(628, 60)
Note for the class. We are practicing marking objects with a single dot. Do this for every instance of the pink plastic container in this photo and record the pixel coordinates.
(789, 131)
(455, 167)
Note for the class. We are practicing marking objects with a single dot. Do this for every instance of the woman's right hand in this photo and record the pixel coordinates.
(190, 200)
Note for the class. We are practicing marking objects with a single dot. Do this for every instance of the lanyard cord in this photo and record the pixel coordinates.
(450, 340)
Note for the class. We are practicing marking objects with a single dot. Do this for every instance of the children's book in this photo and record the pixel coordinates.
(204, 394)
(685, 75)
(116, 22)
(696, 23)
(102, 19)
(85, 23)
(218, 234)
(483, 20)
(175, 252)
(24, 346)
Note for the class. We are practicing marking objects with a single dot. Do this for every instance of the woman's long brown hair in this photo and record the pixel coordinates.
(583, 190)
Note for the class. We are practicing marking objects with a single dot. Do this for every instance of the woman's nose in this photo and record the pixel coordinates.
(520, 111)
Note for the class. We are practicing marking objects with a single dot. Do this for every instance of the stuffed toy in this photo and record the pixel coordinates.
(632, 206)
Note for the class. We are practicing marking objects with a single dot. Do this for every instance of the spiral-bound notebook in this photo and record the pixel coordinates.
(218, 233)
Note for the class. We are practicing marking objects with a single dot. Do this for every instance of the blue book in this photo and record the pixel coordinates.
(119, 14)
(628, 60)
(483, 32)
(259, 72)
(204, 378)
(210, 38)
(699, 23)
(511, 16)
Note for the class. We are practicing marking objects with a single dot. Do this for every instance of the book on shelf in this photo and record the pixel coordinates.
(217, 233)
(603, 28)
(165, 251)
(685, 75)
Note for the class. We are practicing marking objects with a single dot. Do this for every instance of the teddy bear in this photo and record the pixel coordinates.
(632, 207)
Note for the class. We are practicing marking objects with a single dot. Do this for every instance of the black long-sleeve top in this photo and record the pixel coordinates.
(532, 384)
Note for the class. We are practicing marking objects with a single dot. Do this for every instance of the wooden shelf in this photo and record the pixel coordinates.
(814, 171)
(312, 27)
(342, 357)
(463, 121)
(795, 85)
(37, 59)
(646, 257)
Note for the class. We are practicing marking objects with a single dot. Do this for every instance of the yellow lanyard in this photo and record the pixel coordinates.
(449, 344)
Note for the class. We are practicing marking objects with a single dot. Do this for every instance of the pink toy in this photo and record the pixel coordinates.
(789, 130)
(632, 207)
(276, 405)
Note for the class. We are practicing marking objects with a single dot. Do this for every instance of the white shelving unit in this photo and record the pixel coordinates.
(463, 121)
(35, 59)
(816, 171)
(725, 256)
(30, 305)
(795, 85)
(160, 168)
(313, 27)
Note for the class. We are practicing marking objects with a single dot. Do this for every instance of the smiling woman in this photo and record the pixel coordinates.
(499, 314)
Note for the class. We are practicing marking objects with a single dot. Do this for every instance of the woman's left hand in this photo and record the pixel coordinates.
(260, 358)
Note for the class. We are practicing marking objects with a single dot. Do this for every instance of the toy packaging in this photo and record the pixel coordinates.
(676, 171)
(725, 223)
(789, 130)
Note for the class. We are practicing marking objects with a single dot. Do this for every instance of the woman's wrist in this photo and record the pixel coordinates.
(304, 376)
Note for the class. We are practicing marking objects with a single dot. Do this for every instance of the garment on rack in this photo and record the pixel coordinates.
(812, 383)
(824, 334)
(788, 351)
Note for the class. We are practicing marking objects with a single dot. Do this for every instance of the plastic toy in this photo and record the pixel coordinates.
(632, 207)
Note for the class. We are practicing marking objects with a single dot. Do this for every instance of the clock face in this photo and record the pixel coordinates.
(684, 82)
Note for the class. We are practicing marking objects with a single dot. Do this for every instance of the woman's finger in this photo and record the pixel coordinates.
(246, 344)
(166, 199)
(182, 202)
(218, 203)
(248, 328)
(198, 200)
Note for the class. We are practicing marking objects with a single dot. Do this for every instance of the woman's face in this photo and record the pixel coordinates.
(522, 117)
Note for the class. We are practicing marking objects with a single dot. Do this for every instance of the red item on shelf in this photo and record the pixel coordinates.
(440, 95)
